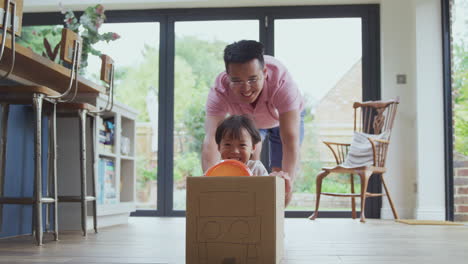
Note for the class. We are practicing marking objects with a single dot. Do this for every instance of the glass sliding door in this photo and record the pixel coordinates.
(322, 47)
(136, 57)
(459, 56)
(324, 57)
(199, 47)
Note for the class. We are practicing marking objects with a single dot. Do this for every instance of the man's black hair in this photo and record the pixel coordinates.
(243, 51)
(232, 127)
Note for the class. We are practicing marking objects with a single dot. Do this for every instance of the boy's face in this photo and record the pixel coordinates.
(239, 149)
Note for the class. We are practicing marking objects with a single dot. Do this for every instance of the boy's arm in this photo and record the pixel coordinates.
(210, 153)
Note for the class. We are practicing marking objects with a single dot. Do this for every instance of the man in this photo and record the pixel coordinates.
(260, 87)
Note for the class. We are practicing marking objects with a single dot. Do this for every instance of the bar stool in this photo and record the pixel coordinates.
(38, 95)
(13, 17)
(16, 8)
(85, 110)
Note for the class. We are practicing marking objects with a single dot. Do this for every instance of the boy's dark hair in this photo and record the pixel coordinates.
(232, 127)
(243, 51)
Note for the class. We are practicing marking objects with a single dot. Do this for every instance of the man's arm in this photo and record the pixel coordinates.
(289, 131)
(210, 153)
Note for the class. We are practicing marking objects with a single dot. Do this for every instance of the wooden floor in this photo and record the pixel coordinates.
(162, 240)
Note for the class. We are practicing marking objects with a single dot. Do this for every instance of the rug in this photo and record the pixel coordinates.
(427, 222)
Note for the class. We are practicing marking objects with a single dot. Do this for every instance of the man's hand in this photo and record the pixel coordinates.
(210, 153)
(287, 184)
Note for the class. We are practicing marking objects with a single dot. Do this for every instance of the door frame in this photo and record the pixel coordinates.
(371, 72)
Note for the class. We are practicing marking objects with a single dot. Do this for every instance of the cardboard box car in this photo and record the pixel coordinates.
(234, 220)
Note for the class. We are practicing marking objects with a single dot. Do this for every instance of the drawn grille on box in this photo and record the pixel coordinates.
(233, 229)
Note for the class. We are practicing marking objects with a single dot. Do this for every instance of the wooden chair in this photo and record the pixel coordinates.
(37, 95)
(372, 117)
(84, 111)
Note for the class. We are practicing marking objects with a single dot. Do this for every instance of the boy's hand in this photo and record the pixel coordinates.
(287, 184)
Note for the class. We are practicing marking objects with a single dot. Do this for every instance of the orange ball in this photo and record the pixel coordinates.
(229, 168)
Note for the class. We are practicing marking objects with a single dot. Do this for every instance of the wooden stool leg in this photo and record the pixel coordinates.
(318, 191)
(37, 105)
(48, 186)
(53, 139)
(93, 174)
(84, 210)
(3, 144)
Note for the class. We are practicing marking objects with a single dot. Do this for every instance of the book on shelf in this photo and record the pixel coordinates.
(106, 136)
(125, 145)
(102, 148)
(106, 187)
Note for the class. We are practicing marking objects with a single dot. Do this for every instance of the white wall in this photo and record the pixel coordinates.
(410, 44)
(429, 108)
(397, 56)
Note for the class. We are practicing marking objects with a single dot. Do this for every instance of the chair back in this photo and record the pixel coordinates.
(107, 64)
(71, 47)
(107, 76)
(70, 52)
(376, 117)
(14, 17)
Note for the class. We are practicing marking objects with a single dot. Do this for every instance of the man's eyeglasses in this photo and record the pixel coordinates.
(250, 82)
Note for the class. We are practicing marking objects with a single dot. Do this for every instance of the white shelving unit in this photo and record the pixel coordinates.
(124, 182)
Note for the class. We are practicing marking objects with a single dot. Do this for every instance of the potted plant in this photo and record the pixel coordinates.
(87, 26)
(46, 39)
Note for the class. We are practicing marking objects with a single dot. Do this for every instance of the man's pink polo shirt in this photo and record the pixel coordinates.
(280, 94)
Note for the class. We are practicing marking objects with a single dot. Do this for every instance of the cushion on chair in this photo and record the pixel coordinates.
(360, 152)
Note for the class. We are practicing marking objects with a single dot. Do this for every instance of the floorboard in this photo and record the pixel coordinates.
(327, 241)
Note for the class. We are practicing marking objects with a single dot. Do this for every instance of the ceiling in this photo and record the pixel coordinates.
(53, 5)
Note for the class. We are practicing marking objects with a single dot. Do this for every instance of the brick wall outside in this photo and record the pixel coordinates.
(460, 168)
(334, 114)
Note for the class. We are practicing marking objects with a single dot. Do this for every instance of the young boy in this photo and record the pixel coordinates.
(236, 138)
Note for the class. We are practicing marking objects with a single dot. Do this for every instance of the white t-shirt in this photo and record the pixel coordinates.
(257, 168)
